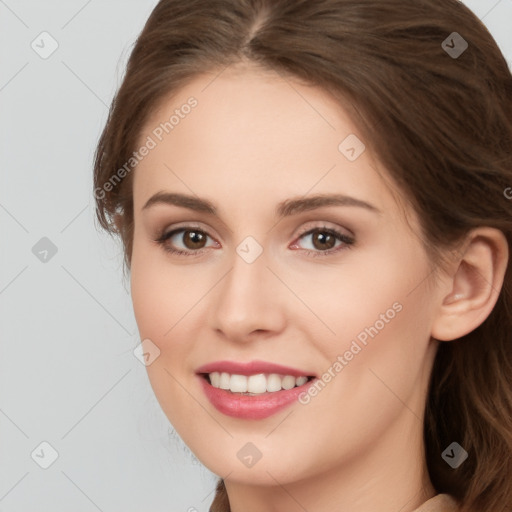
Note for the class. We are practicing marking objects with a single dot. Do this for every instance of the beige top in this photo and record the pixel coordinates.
(439, 503)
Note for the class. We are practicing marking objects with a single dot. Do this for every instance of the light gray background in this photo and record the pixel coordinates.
(68, 375)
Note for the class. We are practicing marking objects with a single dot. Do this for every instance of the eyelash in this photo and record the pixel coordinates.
(347, 241)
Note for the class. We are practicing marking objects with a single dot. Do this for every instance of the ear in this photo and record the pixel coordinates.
(474, 285)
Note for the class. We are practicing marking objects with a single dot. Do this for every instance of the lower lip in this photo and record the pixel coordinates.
(251, 407)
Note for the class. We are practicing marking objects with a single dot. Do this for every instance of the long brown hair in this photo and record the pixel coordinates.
(441, 123)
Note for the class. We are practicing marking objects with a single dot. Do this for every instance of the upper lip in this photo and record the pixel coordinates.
(251, 368)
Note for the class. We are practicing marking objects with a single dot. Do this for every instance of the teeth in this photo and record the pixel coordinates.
(238, 384)
(224, 381)
(273, 383)
(215, 379)
(301, 380)
(255, 384)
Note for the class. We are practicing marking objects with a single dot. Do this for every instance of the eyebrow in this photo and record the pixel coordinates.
(285, 208)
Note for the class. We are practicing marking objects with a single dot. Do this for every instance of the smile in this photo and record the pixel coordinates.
(253, 390)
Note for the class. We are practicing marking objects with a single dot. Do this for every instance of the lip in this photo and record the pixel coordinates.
(251, 368)
(251, 407)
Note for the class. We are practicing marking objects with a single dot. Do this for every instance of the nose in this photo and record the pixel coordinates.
(249, 302)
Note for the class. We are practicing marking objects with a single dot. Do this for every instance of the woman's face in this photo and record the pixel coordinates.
(272, 274)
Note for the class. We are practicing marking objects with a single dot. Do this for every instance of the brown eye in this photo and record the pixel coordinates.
(193, 239)
(186, 241)
(323, 240)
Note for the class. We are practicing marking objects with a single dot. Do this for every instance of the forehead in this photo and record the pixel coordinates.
(253, 133)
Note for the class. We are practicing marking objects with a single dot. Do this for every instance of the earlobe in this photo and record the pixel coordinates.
(474, 286)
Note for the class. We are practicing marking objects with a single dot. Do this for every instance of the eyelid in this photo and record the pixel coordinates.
(182, 226)
(324, 225)
(165, 234)
(346, 241)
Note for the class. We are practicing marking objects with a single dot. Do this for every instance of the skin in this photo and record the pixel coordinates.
(252, 142)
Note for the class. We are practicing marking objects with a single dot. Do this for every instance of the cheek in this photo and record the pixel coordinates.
(158, 290)
(160, 305)
(370, 292)
(153, 311)
(166, 301)
(381, 318)
(383, 333)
